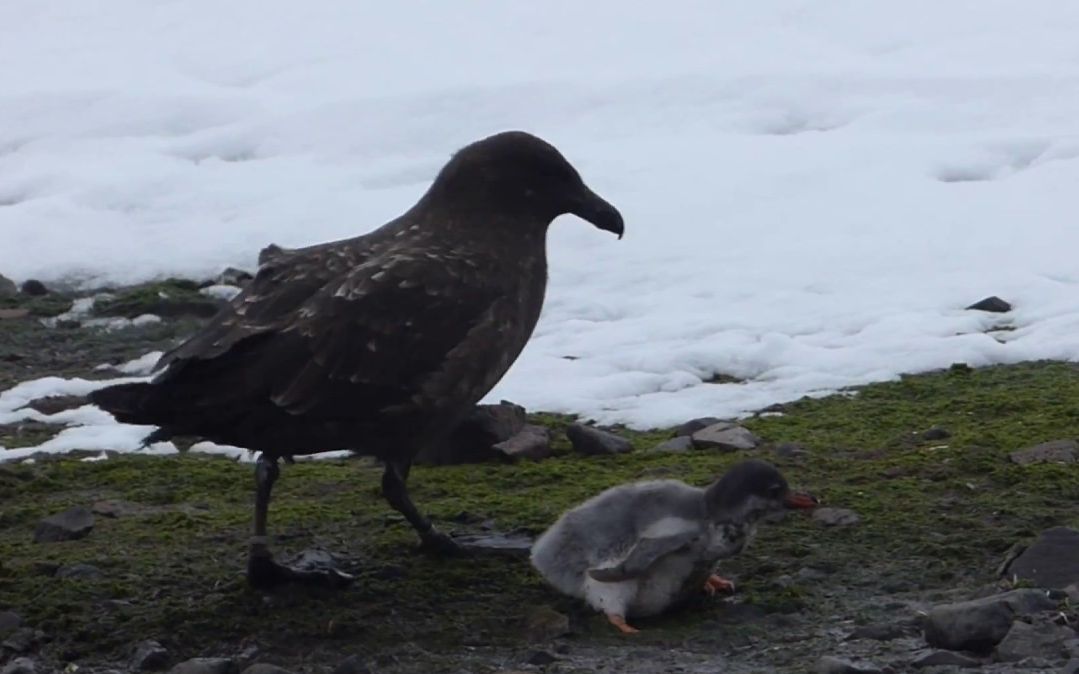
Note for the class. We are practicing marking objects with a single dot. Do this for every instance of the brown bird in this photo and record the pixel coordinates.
(378, 344)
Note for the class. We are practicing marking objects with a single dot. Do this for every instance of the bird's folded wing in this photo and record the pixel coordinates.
(385, 334)
(642, 556)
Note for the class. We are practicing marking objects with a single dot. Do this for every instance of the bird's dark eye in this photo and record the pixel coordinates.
(775, 490)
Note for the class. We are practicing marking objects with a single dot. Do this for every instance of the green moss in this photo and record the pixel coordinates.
(171, 297)
(935, 515)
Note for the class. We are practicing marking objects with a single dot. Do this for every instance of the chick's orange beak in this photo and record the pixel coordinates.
(801, 501)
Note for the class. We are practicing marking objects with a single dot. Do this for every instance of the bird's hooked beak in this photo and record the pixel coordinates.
(800, 501)
(591, 207)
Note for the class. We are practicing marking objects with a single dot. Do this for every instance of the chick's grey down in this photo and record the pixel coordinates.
(378, 344)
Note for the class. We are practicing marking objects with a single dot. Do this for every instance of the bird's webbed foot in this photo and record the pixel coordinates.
(437, 543)
(264, 573)
(716, 583)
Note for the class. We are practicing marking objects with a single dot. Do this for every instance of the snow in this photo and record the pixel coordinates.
(813, 191)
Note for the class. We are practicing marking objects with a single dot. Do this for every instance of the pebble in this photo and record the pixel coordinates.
(205, 666)
(978, 625)
(1025, 640)
(69, 525)
(266, 668)
(20, 666)
(9, 622)
(944, 659)
(149, 656)
(594, 441)
(33, 288)
(1052, 561)
(353, 664)
(1054, 451)
(531, 442)
(543, 623)
(694, 425)
(832, 665)
(682, 443)
(836, 517)
(725, 437)
(79, 571)
(991, 304)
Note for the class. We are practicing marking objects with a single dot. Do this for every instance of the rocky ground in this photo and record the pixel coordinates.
(948, 538)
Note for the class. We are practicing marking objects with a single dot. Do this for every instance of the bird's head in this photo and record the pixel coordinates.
(520, 175)
(752, 490)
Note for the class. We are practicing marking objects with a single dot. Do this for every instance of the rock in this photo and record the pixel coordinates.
(541, 658)
(20, 666)
(943, 659)
(832, 665)
(1055, 451)
(725, 437)
(935, 433)
(70, 525)
(234, 277)
(9, 622)
(878, 632)
(992, 304)
(677, 445)
(543, 623)
(473, 439)
(694, 425)
(1052, 561)
(266, 668)
(1072, 667)
(149, 656)
(205, 666)
(14, 313)
(54, 404)
(33, 288)
(79, 571)
(1025, 640)
(270, 252)
(23, 640)
(836, 517)
(531, 442)
(7, 287)
(790, 450)
(352, 665)
(593, 441)
(978, 625)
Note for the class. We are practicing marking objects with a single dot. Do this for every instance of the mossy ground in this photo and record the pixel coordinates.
(936, 516)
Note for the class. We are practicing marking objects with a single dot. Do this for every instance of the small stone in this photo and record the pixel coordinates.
(352, 665)
(1055, 451)
(149, 656)
(543, 623)
(593, 441)
(270, 252)
(725, 437)
(9, 622)
(33, 287)
(682, 443)
(79, 571)
(836, 517)
(13, 313)
(790, 450)
(694, 425)
(1024, 640)
(234, 277)
(1052, 561)
(992, 304)
(935, 433)
(266, 668)
(20, 666)
(832, 665)
(473, 439)
(531, 442)
(943, 659)
(1072, 667)
(541, 658)
(205, 666)
(23, 640)
(978, 625)
(7, 287)
(878, 632)
(70, 525)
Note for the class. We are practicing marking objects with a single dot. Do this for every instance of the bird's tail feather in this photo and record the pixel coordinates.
(129, 403)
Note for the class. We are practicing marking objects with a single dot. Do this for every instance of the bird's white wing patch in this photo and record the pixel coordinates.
(670, 526)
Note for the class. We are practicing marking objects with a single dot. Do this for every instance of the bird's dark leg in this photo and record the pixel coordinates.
(262, 570)
(396, 493)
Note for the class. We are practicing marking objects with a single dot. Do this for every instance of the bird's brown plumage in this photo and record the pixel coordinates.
(379, 343)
